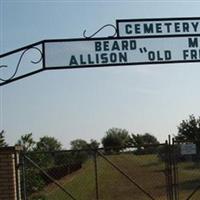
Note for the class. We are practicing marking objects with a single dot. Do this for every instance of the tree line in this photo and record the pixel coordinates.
(115, 138)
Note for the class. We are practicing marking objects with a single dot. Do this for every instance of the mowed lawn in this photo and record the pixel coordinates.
(189, 179)
(146, 170)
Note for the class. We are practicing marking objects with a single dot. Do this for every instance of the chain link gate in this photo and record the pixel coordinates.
(143, 173)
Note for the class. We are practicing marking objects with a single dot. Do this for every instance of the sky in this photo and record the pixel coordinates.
(85, 103)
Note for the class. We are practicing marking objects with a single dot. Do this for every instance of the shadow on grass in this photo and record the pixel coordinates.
(193, 166)
(190, 185)
(151, 164)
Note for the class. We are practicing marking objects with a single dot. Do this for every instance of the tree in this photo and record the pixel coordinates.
(147, 138)
(2, 139)
(81, 150)
(137, 140)
(46, 147)
(189, 129)
(142, 142)
(93, 144)
(116, 139)
(47, 143)
(78, 144)
(27, 142)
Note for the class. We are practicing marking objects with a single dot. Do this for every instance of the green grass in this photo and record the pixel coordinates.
(146, 170)
(80, 184)
(189, 179)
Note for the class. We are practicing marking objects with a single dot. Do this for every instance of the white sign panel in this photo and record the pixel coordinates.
(158, 27)
(112, 52)
(188, 149)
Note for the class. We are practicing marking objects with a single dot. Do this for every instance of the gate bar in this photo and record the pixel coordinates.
(192, 194)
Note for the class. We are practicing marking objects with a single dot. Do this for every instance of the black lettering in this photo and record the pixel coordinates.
(159, 56)
(90, 61)
(185, 27)
(82, 60)
(123, 57)
(115, 46)
(148, 28)
(128, 29)
(104, 58)
(193, 54)
(168, 26)
(97, 46)
(106, 45)
(192, 42)
(132, 44)
(177, 27)
(97, 58)
(158, 28)
(185, 54)
(137, 29)
(168, 55)
(195, 25)
(73, 61)
(151, 55)
(113, 57)
(124, 45)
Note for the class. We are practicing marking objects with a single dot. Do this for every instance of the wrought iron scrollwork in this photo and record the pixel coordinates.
(19, 62)
(107, 25)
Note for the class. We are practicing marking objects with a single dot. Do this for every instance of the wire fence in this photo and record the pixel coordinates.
(152, 172)
(98, 174)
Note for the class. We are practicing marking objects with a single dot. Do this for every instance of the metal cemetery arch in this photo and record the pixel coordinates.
(134, 42)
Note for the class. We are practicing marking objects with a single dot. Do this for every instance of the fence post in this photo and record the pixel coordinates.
(169, 168)
(96, 174)
(9, 173)
(175, 171)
